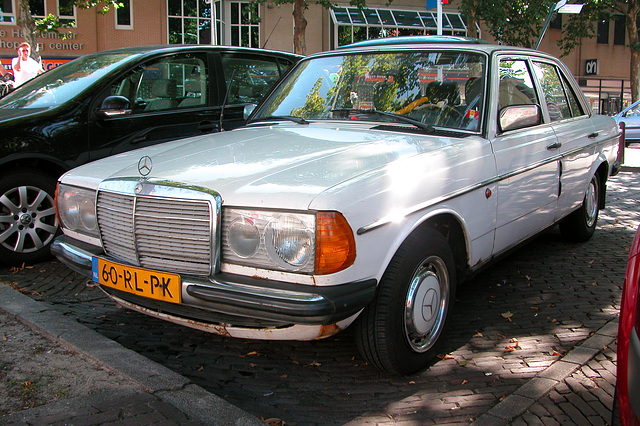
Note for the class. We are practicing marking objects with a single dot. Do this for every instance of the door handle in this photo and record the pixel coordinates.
(207, 126)
(553, 146)
(593, 135)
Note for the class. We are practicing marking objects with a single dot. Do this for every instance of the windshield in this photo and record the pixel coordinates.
(63, 83)
(436, 88)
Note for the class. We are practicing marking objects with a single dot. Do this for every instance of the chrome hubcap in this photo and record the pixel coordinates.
(27, 219)
(426, 304)
(591, 203)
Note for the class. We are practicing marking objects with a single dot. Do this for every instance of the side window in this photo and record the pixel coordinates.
(516, 84)
(166, 84)
(249, 79)
(554, 92)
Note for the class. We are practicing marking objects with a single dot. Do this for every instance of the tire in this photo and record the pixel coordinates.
(580, 225)
(28, 222)
(392, 333)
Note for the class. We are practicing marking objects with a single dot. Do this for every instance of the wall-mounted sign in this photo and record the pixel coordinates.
(591, 67)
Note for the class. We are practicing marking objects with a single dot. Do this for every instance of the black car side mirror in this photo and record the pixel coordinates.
(114, 106)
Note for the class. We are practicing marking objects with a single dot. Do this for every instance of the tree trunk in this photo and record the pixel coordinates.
(299, 27)
(27, 26)
(634, 42)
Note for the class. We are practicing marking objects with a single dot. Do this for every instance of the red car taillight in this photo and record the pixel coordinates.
(629, 322)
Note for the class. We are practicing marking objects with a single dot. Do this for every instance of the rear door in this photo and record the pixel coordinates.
(574, 130)
(246, 80)
(526, 160)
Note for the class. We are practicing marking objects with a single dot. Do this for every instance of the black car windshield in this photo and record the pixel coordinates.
(437, 88)
(61, 84)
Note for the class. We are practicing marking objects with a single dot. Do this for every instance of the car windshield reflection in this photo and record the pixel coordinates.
(441, 89)
(63, 83)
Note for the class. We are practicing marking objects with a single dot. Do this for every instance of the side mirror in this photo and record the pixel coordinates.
(114, 106)
(519, 116)
(248, 109)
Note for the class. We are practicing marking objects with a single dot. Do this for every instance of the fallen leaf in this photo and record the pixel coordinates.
(201, 368)
(445, 356)
(274, 422)
(478, 334)
(503, 397)
(253, 353)
(315, 364)
(509, 349)
(507, 315)
(464, 382)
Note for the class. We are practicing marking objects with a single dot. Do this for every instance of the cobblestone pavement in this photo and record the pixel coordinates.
(514, 325)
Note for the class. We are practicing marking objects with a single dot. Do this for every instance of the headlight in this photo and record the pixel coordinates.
(319, 243)
(77, 209)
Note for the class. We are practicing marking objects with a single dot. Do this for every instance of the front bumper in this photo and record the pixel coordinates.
(234, 300)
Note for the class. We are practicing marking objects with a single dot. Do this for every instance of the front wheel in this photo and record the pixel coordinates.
(28, 222)
(401, 331)
(580, 225)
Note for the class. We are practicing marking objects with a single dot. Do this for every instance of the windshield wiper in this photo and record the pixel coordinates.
(298, 120)
(401, 118)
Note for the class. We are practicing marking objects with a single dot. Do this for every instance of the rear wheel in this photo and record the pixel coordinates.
(580, 225)
(401, 331)
(28, 222)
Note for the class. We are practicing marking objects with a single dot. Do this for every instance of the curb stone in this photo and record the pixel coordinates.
(545, 381)
(196, 403)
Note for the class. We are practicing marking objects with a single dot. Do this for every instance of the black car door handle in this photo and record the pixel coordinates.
(208, 127)
(593, 135)
(553, 146)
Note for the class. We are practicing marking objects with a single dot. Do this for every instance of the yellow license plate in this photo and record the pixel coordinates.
(142, 282)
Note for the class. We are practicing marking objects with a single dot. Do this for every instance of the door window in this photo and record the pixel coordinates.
(560, 99)
(163, 84)
(516, 84)
(249, 79)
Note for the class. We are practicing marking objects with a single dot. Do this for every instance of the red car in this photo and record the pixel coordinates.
(627, 401)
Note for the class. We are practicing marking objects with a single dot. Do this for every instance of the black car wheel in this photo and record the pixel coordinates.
(580, 225)
(401, 330)
(28, 222)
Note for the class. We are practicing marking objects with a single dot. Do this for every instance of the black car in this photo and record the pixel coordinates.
(109, 102)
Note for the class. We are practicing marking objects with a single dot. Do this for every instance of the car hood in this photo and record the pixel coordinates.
(267, 166)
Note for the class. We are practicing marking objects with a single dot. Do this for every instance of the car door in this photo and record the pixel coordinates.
(575, 133)
(631, 119)
(170, 97)
(526, 161)
(246, 79)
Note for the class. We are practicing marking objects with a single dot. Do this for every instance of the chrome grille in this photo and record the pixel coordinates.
(165, 233)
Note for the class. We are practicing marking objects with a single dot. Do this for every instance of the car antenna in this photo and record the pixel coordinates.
(224, 101)
(271, 33)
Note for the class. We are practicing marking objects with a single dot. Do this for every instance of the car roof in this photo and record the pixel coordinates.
(170, 48)
(416, 40)
(449, 43)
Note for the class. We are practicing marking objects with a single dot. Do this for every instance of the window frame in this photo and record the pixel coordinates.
(128, 4)
(9, 18)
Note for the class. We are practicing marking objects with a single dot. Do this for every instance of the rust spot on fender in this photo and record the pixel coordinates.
(328, 330)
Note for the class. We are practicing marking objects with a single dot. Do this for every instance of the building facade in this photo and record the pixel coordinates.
(602, 64)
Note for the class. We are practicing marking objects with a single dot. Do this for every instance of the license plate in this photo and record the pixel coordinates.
(142, 282)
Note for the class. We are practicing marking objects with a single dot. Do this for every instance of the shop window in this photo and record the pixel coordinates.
(124, 15)
(244, 24)
(619, 30)
(67, 12)
(7, 12)
(189, 22)
(37, 8)
(354, 24)
(603, 32)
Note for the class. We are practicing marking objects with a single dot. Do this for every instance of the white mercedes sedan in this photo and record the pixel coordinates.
(368, 184)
